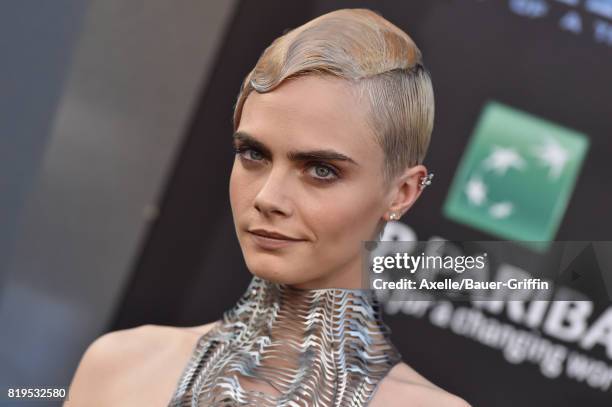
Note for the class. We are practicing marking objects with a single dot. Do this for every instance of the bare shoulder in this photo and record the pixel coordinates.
(121, 361)
(405, 386)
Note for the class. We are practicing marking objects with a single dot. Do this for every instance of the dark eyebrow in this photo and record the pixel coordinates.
(294, 155)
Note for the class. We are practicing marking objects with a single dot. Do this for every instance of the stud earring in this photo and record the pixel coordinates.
(426, 180)
(393, 216)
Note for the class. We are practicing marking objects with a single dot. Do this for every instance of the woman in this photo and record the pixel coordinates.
(331, 128)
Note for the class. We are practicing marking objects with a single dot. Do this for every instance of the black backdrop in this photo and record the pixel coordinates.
(190, 268)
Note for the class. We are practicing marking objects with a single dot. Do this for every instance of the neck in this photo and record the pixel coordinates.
(298, 312)
(341, 329)
(279, 344)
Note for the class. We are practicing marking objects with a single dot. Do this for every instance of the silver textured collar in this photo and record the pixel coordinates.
(281, 346)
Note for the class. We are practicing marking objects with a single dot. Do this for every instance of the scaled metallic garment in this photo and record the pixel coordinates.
(280, 346)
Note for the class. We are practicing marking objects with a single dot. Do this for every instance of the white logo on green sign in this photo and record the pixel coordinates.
(516, 176)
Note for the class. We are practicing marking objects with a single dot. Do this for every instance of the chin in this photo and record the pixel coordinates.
(274, 270)
(271, 269)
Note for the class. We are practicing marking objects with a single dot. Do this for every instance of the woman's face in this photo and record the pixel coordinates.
(308, 168)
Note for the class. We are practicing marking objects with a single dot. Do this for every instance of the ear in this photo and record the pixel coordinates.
(406, 190)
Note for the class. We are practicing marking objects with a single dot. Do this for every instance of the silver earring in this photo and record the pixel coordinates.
(426, 180)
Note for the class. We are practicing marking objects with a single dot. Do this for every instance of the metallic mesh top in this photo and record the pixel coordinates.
(281, 346)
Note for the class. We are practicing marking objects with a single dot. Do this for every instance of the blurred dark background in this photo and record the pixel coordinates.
(116, 154)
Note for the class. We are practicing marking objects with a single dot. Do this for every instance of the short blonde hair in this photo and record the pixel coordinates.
(381, 61)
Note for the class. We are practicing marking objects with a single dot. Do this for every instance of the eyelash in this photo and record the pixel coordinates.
(335, 173)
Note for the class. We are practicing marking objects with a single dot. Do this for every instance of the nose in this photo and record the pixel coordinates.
(273, 197)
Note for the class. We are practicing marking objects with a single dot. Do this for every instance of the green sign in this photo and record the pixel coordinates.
(516, 176)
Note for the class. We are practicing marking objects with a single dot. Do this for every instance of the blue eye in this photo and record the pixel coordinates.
(324, 172)
(249, 153)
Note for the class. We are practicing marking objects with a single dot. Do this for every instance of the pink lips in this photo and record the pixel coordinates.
(271, 240)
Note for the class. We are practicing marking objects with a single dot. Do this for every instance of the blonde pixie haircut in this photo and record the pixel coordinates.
(382, 63)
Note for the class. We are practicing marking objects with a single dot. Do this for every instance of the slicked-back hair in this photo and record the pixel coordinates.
(383, 65)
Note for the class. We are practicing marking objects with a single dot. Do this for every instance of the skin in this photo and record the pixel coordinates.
(268, 189)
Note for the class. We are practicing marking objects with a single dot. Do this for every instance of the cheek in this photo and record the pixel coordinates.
(347, 217)
(238, 187)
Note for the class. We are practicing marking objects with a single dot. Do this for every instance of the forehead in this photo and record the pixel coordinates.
(310, 112)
